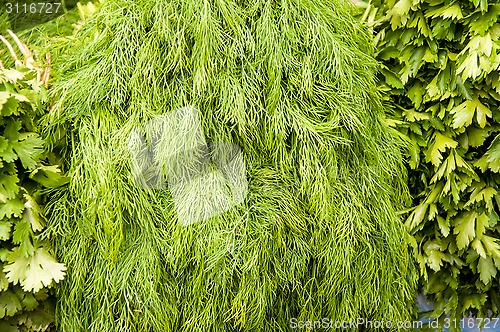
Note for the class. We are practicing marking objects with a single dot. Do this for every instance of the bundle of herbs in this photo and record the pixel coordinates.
(28, 269)
(291, 83)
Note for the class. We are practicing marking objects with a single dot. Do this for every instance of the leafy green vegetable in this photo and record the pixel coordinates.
(291, 83)
(446, 56)
(26, 259)
(34, 270)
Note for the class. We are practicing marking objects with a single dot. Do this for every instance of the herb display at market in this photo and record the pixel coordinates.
(441, 68)
(292, 84)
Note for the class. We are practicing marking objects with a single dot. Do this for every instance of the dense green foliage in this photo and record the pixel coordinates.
(4, 21)
(27, 269)
(54, 37)
(292, 83)
(441, 67)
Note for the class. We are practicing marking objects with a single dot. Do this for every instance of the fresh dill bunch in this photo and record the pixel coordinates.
(289, 82)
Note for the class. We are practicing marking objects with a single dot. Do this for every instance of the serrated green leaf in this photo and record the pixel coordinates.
(4, 282)
(444, 226)
(480, 22)
(4, 252)
(481, 195)
(26, 95)
(4, 144)
(44, 270)
(4, 96)
(486, 44)
(33, 272)
(439, 144)
(416, 217)
(49, 176)
(33, 214)
(464, 113)
(433, 211)
(12, 75)
(465, 229)
(477, 245)
(443, 29)
(39, 320)
(435, 284)
(464, 88)
(494, 218)
(432, 89)
(482, 112)
(477, 136)
(419, 21)
(399, 13)
(414, 155)
(412, 115)
(469, 66)
(8, 155)
(452, 11)
(472, 256)
(9, 304)
(414, 63)
(448, 164)
(464, 166)
(435, 260)
(444, 80)
(10, 107)
(5, 228)
(491, 246)
(473, 301)
(492, 156)
(392, 79)
(388, 53)
(13, 207)
(487, 269)
(416, 93)
(22, 236)
(9, 187)
(28, 300)
(481, 224)
(11, 131)
(29, 149)
(42, 294)
(481, 163)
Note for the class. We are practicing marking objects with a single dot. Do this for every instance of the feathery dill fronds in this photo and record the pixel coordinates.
(291, 83)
